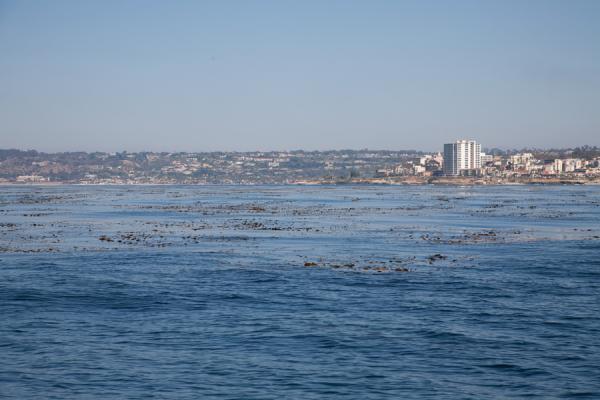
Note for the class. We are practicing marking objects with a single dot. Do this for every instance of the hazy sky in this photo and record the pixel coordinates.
(257, 75)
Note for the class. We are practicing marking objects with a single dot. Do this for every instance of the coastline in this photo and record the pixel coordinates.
(470, 181)
(399, 181)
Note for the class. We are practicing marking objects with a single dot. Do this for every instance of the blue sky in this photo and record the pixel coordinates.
(259, 75)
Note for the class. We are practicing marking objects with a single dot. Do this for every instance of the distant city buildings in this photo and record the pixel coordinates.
(486, 158)
(462, 157)
(31, 179)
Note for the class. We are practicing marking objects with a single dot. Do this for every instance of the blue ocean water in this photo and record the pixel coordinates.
(300, 292)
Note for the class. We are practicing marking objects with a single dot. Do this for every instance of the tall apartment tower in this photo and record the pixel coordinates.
(462, 157)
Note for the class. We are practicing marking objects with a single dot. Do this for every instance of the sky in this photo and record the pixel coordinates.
(116, 75)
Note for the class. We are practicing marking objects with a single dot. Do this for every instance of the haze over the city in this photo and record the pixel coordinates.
(259, 75)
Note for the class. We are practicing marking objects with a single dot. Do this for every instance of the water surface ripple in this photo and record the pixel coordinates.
(269, 292)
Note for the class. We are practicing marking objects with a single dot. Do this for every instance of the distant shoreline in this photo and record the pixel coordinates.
(460, 181)
(396, 181)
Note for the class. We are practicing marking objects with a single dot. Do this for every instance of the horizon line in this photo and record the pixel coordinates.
(296, 150)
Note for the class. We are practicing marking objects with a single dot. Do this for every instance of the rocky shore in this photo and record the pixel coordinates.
(461, 181)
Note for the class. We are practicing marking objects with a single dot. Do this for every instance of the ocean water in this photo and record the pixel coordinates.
(299, 292)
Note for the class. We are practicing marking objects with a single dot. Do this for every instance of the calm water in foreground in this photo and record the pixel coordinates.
(360, 292)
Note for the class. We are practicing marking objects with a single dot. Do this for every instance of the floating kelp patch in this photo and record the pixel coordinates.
(406, 264)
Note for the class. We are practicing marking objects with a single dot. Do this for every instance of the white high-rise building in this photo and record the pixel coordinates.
(462, 157)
